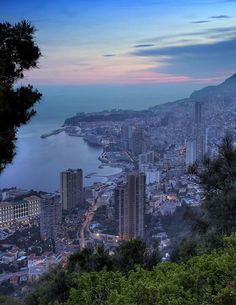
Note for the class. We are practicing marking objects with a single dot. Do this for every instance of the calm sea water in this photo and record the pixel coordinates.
(38, 162)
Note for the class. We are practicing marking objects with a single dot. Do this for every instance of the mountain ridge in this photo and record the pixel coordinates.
(223, 92)
(225, 89)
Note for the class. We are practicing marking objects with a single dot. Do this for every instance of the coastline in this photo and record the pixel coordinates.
(38, 161)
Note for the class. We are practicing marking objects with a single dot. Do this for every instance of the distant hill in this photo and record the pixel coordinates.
(224, 94)
(228, 87)
(106, 116)
(221, 92)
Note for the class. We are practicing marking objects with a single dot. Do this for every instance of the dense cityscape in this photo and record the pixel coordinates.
(154, 149)
(118, 152)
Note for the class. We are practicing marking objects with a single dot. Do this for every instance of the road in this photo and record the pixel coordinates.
(88, 216)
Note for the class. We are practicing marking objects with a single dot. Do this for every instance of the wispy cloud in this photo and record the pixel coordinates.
(147, 45)
(222, 33)
(192, 60)
(218, 47)
(220, 17)
(109, 55)
(201, 21)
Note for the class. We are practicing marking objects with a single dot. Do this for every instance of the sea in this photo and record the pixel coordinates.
(38, 161)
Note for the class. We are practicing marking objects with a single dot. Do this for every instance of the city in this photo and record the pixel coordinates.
(154, 149)
(118, 152)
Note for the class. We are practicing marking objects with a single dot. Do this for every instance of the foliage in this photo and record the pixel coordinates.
(18, 53)
(87, 261)
(202, 280)
(94, 288)
(185, 250)
(207, 279)
(227, 296)
(218, 178)
(53, 287)
(6, 288)
(180, 222)
(4, 300)
(217, 215)
(129, 255)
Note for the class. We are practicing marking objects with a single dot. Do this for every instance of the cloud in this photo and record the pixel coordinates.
(109, 55)
(220, 17)
(217, 47)
(201, 21)
(147, 45)
(193, 60)
(221, 32)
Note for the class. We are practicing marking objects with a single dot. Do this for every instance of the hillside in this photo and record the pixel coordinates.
(222, 93)
(209, 94)
(207, 279)
(225, 89)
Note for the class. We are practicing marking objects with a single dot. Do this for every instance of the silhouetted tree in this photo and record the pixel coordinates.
(131, 253)
(128, 255)
(185, 250)
(218, 179)
(51, 288)
(81, 261)
(5, 300)
(18, 53)
(217, 214)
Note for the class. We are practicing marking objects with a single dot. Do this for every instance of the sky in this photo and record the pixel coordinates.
(129, 42)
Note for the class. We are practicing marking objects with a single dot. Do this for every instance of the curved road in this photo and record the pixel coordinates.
(88, 216)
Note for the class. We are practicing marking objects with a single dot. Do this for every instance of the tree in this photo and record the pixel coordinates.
(18, 53)
(227, 296)
(88, 260)
(5, 300)
(94, 288)
(185, 250)
(131, 253)
(218, 179)
(52, 287)
(203, 279)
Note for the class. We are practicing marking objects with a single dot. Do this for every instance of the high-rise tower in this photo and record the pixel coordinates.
(200, 132)
(71, 188)
(137, 140)
(50, 216)
(130, 198)
(191, 152)
(198, 113)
